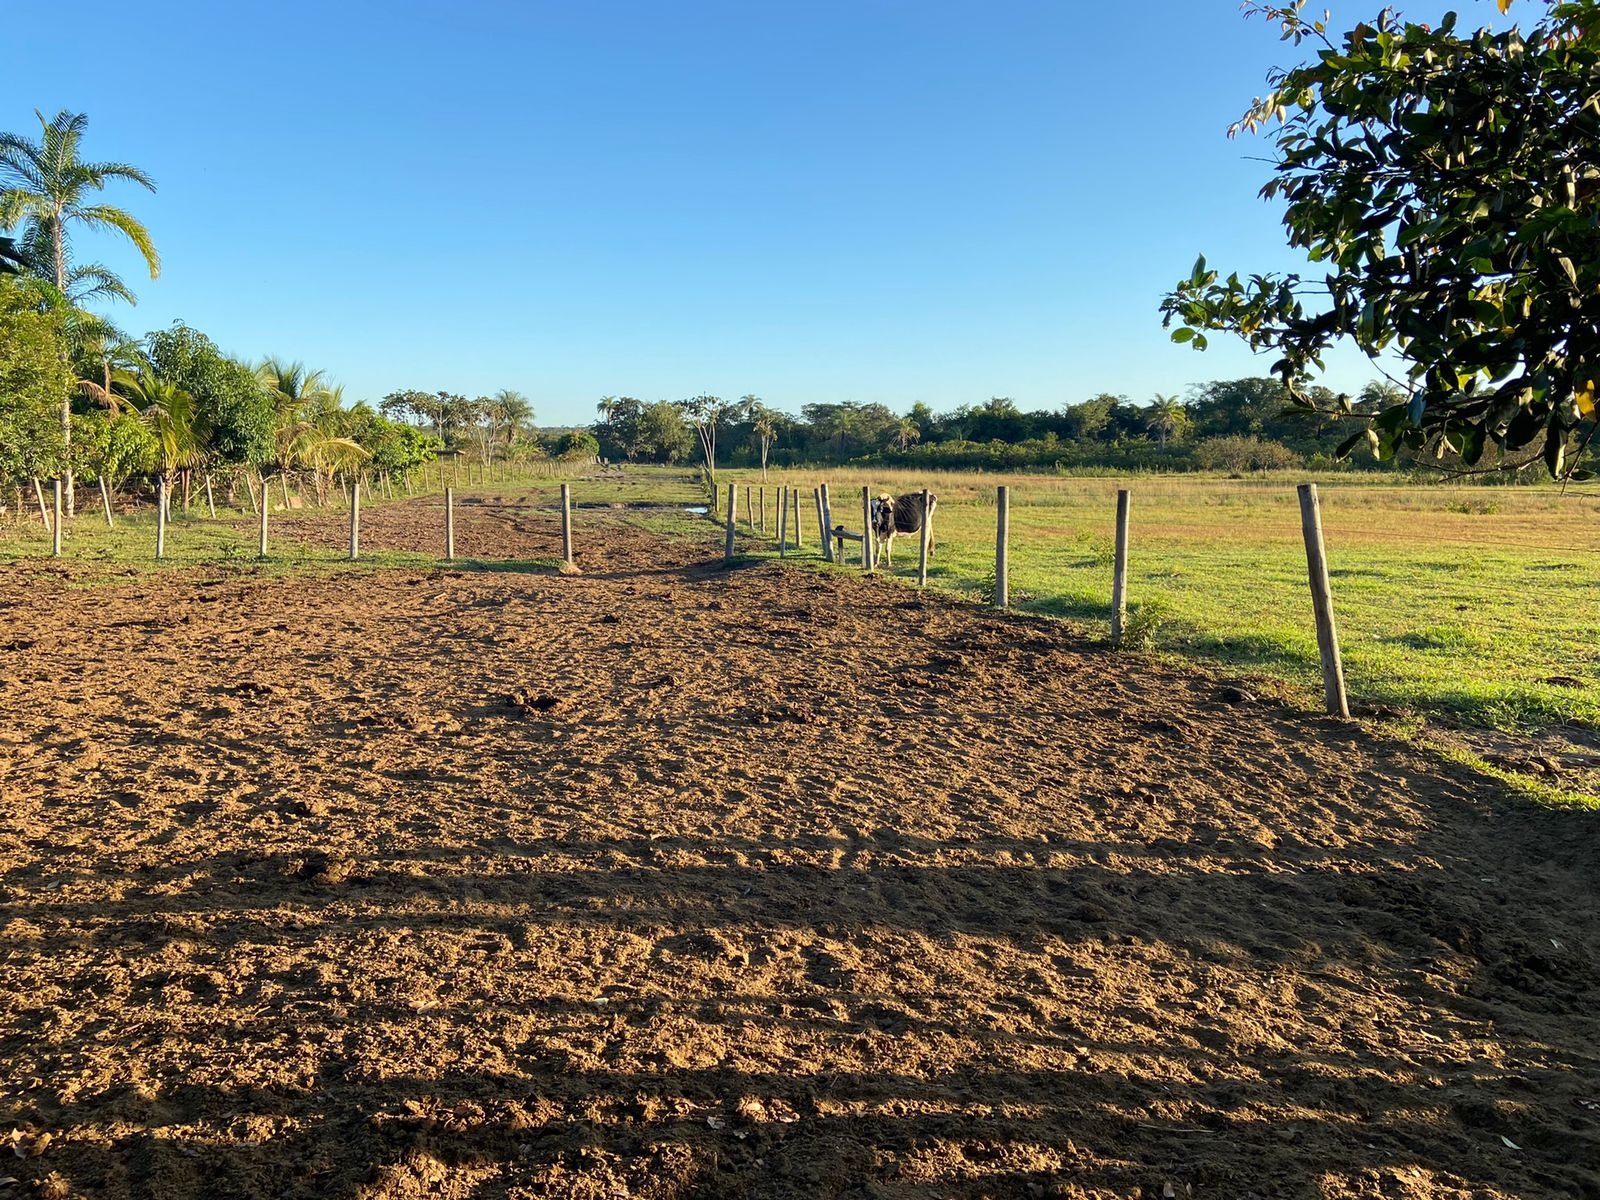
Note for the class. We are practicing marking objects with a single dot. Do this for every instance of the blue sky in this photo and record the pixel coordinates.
(875, 201)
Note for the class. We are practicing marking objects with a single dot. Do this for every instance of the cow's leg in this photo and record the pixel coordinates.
(888, 550)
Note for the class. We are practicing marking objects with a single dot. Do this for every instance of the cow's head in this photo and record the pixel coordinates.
(883, 515)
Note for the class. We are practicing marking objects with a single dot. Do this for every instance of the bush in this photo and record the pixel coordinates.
(1244, 454)
(1101, 551)
(1141, 626)
(116, 447)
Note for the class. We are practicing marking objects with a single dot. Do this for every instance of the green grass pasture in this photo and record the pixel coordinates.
(1483, 602)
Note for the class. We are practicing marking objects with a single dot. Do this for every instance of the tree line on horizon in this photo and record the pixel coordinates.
(1227, 425)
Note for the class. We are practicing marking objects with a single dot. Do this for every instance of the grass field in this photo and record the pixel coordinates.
(1467, 600)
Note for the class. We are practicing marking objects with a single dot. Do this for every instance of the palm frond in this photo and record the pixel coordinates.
(92, 281)
(112, 217)
(100, 172)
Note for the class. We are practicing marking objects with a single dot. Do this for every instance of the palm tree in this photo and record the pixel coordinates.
(296, 392)
(516, 411)
(169, 411)
(322, 448)
(309, 414)
(47, 189)
(108, 352)
(906, 432)
(1167, 418)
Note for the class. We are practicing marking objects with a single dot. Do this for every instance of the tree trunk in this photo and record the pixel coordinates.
(66, 400)
(283, 480)
(105, 499)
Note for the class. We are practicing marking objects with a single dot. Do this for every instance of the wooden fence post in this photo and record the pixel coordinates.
(1119, 573)
(1322, 602)
(1002, 536)
(55, 528)
(261, 534)
(566, 523)
(828, 525)
(749, 514)
(763, 511)
(783, 520)
(822, 525)
(105, 500)
(923, 542)
(355, 518)
(161, 519)
(449, 524)
(869, 549)
(799, 535)
(733, 505)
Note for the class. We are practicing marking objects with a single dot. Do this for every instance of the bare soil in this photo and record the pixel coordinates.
(666, 881)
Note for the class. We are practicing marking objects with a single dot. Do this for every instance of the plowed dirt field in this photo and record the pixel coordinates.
(665, 880)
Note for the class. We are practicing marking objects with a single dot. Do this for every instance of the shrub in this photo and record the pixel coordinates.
(1236, 453)
(1100, 551)
(1141, 626)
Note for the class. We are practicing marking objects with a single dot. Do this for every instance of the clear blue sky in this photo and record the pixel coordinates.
(872, 200)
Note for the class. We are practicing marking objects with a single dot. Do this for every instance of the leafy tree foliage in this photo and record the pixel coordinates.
(33, 378)
(234, 411)
(630, 428)
(393, 446)
(1450, 182)
(576, 444)
(170, 414)
(113, 446)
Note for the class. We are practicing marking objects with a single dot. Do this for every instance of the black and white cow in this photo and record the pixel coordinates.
(900, 514)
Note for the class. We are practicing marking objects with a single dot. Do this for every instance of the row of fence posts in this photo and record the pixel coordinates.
(354, 545)
(1334, 694)
(832, 537)
(384, 484)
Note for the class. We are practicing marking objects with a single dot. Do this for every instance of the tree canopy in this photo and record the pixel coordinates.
(1450, 181)
(33, 378)
(234, 407)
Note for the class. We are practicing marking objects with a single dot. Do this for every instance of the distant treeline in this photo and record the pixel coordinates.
(1230, 425)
